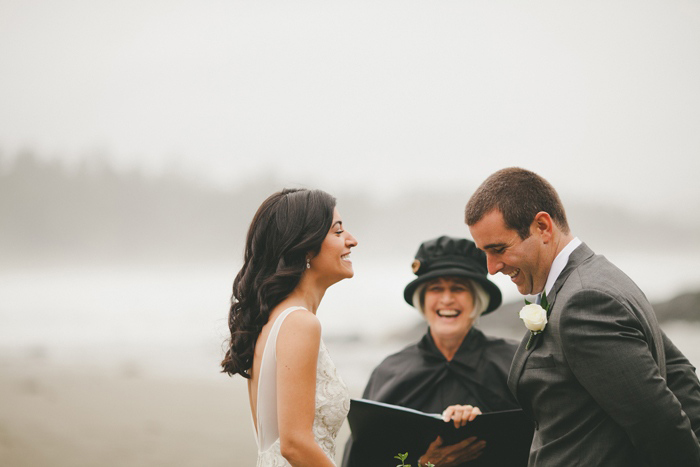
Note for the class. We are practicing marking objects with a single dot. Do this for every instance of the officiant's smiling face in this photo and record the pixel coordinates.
(448, 304)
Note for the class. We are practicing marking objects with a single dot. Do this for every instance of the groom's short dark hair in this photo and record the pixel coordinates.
(519, 195)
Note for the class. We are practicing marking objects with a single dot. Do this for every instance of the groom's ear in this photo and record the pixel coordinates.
(543, 226)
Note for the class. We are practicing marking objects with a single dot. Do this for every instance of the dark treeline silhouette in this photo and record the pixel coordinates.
(52, 213)
(93, 212)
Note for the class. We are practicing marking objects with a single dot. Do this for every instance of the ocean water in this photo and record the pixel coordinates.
(171, 320)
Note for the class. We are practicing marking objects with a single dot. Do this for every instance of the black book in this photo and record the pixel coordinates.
(380, 431)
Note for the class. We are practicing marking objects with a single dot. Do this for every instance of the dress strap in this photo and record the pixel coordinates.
(267, 427)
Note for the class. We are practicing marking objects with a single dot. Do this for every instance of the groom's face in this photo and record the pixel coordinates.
(524, 261)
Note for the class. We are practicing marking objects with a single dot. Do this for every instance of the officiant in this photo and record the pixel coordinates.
(454, 362)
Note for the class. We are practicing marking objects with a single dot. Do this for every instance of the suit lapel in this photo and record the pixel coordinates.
(518, 364)
(578, 256)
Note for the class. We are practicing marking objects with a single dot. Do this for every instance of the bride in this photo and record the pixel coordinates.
(295, 249)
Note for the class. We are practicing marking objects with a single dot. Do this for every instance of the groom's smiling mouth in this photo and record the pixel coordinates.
(513, 274)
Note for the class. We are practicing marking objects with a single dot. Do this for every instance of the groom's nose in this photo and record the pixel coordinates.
(492, 264)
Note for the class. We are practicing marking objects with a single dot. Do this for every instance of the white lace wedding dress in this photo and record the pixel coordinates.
(332, 402)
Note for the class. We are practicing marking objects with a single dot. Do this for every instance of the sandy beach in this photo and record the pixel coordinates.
(73, 413)
(58, 416)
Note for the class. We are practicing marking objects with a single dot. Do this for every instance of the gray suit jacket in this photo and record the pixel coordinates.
(594, 382)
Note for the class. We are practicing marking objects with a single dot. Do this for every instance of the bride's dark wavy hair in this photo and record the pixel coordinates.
(289, 225)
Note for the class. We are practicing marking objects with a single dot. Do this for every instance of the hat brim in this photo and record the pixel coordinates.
(491, 289)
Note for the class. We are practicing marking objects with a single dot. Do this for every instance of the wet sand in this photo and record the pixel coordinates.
(56, 414)
(67, 416)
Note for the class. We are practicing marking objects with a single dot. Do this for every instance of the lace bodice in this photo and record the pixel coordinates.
(332, 403)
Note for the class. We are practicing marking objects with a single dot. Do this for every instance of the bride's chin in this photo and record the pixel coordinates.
(348, 275)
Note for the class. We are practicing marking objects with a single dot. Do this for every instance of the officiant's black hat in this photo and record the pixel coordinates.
(450, 256)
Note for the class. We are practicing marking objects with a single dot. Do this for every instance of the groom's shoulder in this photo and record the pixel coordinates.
(593, 270)
(598, 275)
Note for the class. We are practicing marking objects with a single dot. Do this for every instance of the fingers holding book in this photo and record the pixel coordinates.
(460, 414)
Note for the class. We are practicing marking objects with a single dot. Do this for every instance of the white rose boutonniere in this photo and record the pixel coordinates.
(535, 318)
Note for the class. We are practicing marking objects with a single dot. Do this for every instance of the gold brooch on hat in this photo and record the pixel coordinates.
(415, 266)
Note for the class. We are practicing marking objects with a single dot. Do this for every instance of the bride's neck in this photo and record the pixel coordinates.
(306, 294)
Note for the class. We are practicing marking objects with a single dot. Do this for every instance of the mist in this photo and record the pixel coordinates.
(137, 139)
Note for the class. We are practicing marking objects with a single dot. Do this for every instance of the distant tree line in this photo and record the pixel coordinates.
(50, 212)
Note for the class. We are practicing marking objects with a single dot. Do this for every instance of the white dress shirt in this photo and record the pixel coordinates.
(559, 263)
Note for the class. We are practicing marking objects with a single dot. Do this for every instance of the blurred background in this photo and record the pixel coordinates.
(137, 139)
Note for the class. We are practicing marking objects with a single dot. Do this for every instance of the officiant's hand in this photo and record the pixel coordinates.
(454, 454)
(460, 414)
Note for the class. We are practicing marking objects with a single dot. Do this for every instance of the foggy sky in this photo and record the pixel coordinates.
(600, 97)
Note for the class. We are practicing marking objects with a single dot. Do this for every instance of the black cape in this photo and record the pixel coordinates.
(419, 377)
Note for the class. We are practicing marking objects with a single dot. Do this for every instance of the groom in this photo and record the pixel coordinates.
(602, 383)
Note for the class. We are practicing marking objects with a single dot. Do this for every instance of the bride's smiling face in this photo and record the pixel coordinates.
(333, 259)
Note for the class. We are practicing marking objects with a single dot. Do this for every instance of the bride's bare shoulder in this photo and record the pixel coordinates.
(301, 320)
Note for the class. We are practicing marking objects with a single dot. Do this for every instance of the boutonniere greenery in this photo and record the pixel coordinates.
(535, 318)
(404, 456)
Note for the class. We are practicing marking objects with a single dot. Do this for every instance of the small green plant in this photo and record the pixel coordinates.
(404, 456)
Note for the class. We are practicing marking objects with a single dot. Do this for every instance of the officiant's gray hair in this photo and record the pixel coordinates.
(480, 297)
